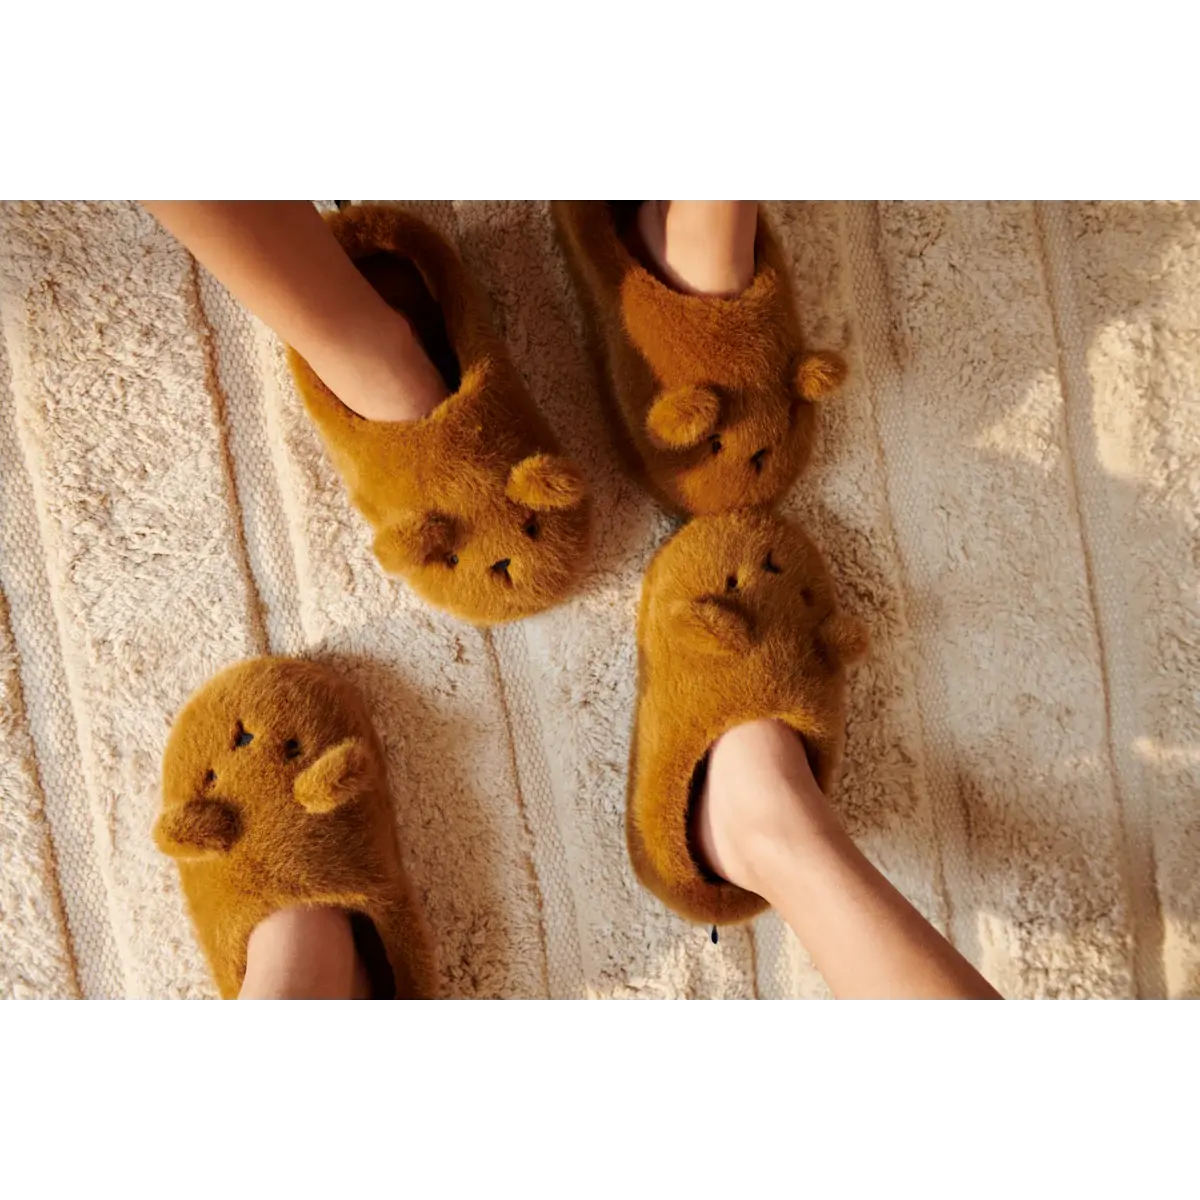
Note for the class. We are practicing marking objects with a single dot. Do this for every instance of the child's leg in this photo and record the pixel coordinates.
(279, 259)
(764, 825)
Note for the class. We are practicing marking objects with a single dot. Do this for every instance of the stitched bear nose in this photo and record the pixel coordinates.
(501, 567)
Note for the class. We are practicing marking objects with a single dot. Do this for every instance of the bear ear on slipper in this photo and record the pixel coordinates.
(845, 638)
(546, 482)
(198, 829)
(818, 375)
(415, 540)
(683, 417)
(711, 627)
(339, 776)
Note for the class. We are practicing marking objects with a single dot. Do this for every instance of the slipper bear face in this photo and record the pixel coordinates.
(493, 546)
(472, 505)
(468, 506)
(715, 394)
(261, 745)
(729, 585)
(713, 448)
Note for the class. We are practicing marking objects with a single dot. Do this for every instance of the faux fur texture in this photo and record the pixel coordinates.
(715, 396)
(1008, 490)
(473, 505)
(738, 621)
(275, 795)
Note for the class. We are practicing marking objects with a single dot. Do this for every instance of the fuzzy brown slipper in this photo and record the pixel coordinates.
(714, 397)
(472, 505)
(737, 622)
(275, 796)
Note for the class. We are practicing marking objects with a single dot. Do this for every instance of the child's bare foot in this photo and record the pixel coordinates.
(759, 798)
(380, 370)
(703, 247)
(304, 954)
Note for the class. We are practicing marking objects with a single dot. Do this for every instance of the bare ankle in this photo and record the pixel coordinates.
(702, 247)
(383, 374)
(758, 804)
(304, 954)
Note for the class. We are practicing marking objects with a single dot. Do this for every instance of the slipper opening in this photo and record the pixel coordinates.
(371, 950)
(624, 214)
(695, 788)
(402, 285)
(812, 754)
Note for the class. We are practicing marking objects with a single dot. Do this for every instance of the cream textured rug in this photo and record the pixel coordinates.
(1009, 493)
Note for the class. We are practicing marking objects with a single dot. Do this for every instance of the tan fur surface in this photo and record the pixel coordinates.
(715, 396)
(275, 796)
(472, 505)
(1006, 490)
(738, 621)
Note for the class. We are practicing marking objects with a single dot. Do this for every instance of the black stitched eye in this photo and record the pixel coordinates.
(715, 445)
(806, 596)
(291, 748)
(770, 565)
(731, 583)
(756, 459)
(452, 560)
(531, 528)
(242, 738)
(210, 777)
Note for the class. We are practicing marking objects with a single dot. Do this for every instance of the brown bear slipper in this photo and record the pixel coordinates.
(275, 796)
(713, 396)
(737, 622)
(472, 505)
